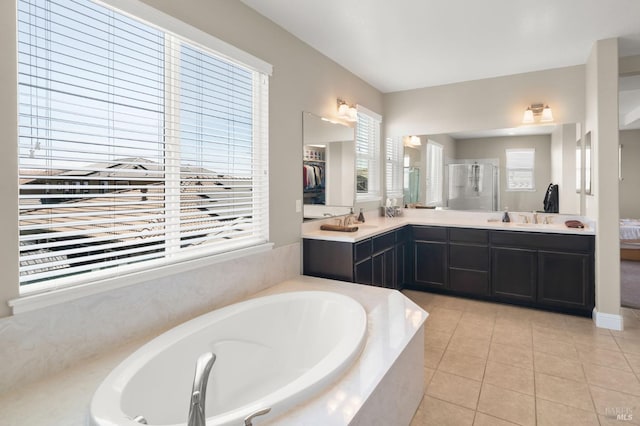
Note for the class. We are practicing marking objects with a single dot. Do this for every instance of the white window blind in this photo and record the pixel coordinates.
(367, 154)
(137, 148)
(435, 174)
(394, 167)
(520, 169)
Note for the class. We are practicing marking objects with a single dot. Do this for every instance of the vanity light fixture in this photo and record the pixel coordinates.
(537, 110)
(346, 111)
(414, 141)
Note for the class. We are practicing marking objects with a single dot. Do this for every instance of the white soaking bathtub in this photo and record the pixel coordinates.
(272, 352)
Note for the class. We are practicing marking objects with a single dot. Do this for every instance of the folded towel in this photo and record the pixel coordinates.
(339, 228)
(574, 224)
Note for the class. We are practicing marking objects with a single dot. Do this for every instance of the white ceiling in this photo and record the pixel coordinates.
(407, 44)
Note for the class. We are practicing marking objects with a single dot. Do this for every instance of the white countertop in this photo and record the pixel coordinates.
(375, 225)
(393, 320)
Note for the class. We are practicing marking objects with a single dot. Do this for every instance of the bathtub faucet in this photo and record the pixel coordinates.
(199, 391)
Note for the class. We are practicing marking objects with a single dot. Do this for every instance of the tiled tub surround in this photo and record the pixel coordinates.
(384, 386)
(38, 343)
(494, 364)
(376, 224)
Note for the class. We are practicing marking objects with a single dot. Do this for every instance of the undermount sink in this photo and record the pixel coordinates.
(533, 225)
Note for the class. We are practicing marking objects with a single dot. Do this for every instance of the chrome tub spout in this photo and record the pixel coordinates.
(199, 391)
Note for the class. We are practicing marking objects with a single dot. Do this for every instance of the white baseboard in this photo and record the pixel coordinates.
(610, 321)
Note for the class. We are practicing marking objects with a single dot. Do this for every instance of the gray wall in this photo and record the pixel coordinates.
(629, 187)
(495, 148)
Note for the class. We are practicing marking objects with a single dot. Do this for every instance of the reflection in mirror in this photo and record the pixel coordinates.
(328, 167)
(475, 175)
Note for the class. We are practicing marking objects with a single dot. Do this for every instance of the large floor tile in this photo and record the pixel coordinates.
(432, 357)
(436, 338)
(611, 378)
(455, 389)
(463, 365)
(553, 414)
(469, 346)
(483, 419)
(517, 356)
(506, 404)
(558, 366)
(565, 349)
(435, 412)
(509, 377)
(604, 357)
(609, 402)
(563, 391)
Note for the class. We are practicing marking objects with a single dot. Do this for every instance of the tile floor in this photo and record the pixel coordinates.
(494, 364)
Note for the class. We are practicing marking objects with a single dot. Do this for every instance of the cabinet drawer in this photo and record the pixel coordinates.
(384, 241)
(465, 235)
(542, 241)
(470, 282)
(469, 257)
(362, 250)
(429, 233)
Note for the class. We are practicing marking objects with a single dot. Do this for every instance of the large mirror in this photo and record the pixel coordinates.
(521, 169)
(328, 167)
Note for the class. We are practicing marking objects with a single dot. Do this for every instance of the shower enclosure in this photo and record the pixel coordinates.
(473, 185)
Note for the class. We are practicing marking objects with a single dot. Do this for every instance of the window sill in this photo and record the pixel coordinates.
(32, 302)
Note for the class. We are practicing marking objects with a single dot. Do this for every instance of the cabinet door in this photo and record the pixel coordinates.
(363, 272)
(513, 275)
(383, 269)
(565, 280)
(401, 266)
(430, 264)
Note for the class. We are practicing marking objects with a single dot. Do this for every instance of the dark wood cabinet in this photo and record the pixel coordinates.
(514, 274)
(544, 270)
(429, 255)
(378, 261)
(469, 261)
(565, 280)
(430, 264)
(554, 271)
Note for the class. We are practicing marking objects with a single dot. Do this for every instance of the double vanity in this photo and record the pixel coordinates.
(547, 266)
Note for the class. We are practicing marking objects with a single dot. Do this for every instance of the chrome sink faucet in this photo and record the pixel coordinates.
(197, 415)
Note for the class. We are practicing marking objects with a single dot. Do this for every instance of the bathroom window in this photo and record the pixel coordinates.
(394, 167)
(520, 169)
(435, 174)
(163, 141)
(367, 155)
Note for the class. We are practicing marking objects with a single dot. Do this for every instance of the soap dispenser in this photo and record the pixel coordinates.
(361, 216)
(505, 216)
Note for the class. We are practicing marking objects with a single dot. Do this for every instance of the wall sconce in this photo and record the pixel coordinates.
(414, 141)
(541, 111)
(346, 111)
